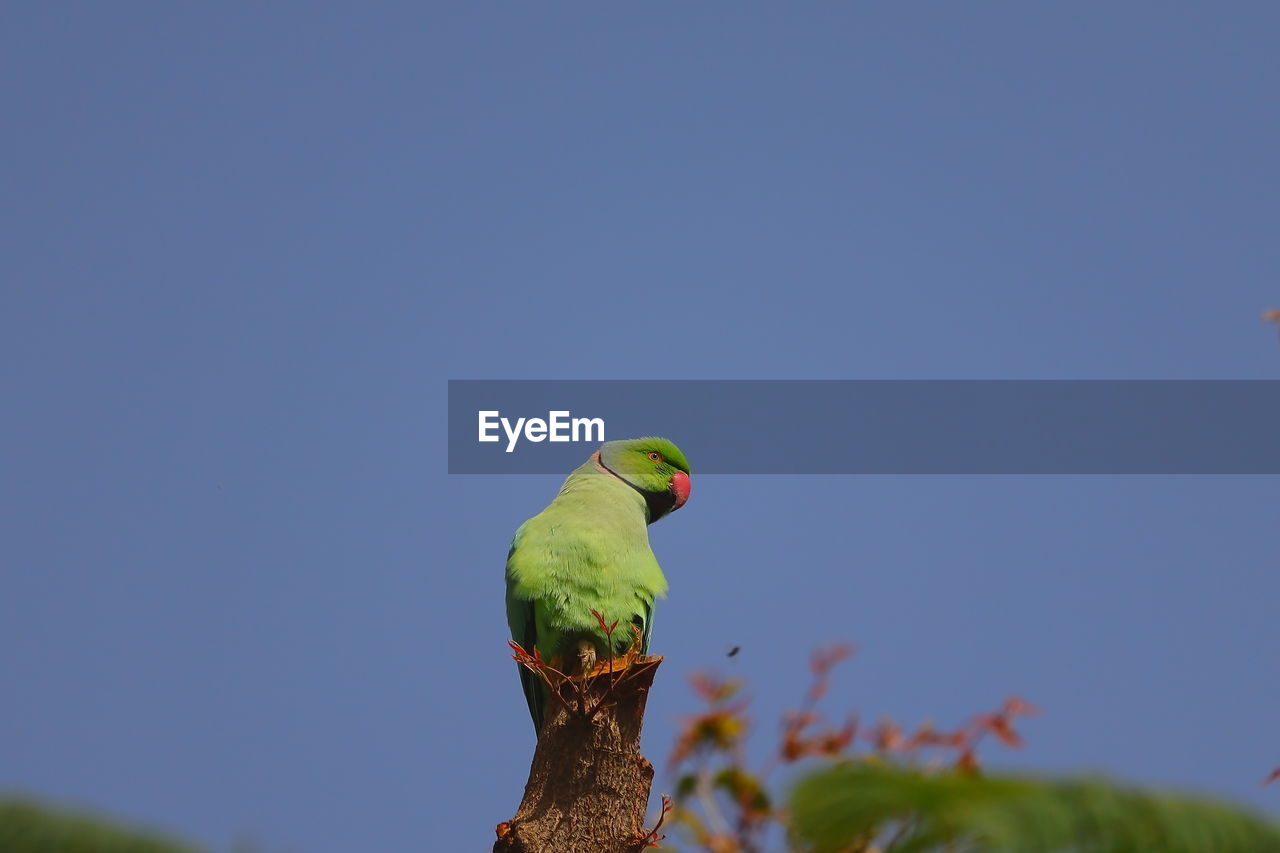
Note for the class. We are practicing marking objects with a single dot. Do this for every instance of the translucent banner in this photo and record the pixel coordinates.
(875, 426)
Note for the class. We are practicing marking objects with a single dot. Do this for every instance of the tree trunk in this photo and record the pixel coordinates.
(588, 785)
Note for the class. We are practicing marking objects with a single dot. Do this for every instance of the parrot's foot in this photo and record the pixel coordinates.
(637, 643)
(586, 657)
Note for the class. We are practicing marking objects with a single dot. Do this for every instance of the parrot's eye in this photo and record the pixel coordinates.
(655, 456)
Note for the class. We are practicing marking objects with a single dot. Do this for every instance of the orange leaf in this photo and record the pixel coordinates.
(999, 725)
(1019, 707)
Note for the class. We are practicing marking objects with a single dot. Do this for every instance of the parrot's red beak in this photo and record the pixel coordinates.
(680, 487)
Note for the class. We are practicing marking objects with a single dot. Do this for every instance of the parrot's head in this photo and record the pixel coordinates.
(654, 467)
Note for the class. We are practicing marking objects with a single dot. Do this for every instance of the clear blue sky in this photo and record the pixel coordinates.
(244, 245)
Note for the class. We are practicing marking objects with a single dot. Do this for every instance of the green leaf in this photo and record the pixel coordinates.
(836, 807)
(744, 788)
(685, 787)
(26, 827)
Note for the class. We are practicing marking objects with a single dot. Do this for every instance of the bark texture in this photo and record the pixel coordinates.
(588, 786)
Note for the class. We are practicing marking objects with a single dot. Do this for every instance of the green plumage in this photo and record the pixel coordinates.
(589, 550)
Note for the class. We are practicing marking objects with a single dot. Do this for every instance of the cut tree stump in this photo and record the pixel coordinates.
(588, 786)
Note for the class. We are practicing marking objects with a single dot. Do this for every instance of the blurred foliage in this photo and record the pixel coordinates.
(848, 806)
(28, 827)
(885, 788)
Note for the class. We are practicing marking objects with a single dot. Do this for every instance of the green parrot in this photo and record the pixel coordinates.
(589, 550)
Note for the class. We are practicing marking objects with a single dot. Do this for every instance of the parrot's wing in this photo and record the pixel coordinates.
(645, 624)
(524, 630)
(523, 622)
